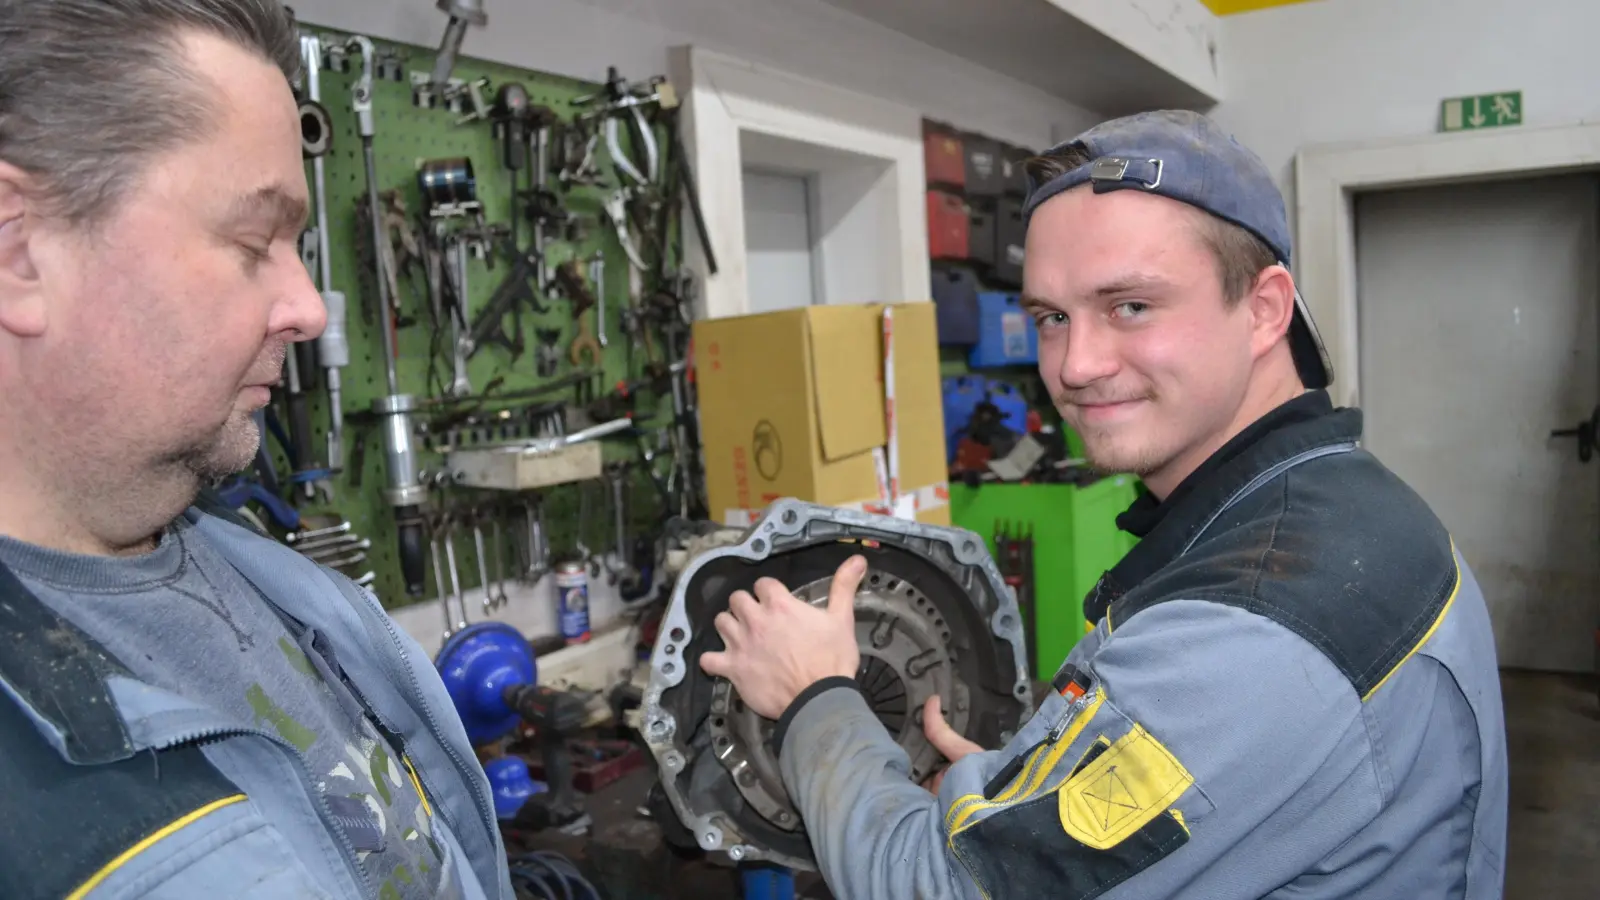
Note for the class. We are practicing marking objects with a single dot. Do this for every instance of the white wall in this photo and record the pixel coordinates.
(738, 113)
(1345, 70)
(579, 38)
(851, 216)
(777, 238)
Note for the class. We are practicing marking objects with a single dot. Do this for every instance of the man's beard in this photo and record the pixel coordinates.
(224, 451)
(1109, 457)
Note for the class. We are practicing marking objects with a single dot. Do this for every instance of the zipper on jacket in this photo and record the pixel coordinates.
(467, 774)
(326, 812)
(1070, 714)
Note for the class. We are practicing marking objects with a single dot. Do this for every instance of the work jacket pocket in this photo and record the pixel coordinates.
(1094, 812)
(227, 852)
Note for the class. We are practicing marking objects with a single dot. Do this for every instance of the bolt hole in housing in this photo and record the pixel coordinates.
(926, 621)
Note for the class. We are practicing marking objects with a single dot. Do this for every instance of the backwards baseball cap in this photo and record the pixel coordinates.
(1185, 156)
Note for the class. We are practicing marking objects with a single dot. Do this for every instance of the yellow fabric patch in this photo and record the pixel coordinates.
(1116, 795)
(963, 813)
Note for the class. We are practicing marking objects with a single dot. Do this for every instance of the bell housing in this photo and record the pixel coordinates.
(933, 616)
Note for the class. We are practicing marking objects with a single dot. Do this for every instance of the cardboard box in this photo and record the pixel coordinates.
(792, 404)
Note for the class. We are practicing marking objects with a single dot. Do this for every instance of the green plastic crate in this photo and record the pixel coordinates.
(1075, 540)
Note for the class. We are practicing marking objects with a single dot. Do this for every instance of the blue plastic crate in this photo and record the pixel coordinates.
(1006, 334)
(1013, 406)
(963, 393)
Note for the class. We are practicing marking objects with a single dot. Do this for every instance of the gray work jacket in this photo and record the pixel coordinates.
(112, 788)
(1290, 690)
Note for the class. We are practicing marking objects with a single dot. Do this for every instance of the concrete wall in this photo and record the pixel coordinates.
(579, 38)
(1351, 70)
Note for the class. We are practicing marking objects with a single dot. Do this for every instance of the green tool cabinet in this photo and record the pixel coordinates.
(1075, 540)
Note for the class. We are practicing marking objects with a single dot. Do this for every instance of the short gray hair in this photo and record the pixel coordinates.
(91, 90)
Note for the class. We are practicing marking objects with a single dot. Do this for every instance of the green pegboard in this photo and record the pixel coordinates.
(405, 136)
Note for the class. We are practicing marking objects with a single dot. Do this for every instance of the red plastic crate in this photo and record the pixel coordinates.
(949, 226)
(944, 158)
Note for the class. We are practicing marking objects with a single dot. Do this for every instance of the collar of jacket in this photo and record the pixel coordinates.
(1166, 527)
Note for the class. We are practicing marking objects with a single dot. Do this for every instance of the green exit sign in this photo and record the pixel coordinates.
(1481, 111)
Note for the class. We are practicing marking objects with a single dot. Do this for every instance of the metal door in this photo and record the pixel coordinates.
(1478, 337)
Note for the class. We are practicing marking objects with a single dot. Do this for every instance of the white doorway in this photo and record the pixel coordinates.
(1478, 334)
(862, 155)
(779, 238)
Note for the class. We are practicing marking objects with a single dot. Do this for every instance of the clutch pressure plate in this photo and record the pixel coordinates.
(932, 617)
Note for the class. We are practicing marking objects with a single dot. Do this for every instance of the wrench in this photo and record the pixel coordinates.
(585, 344)
(483, 564)
(622, 570)
(583, 519)
(438, 581)
(332, 542)
(460, 387)
(499, 597)
(296, 536)
(538, 548)
(341, 562)
(321, 553)
(455, 576)
(597, 275)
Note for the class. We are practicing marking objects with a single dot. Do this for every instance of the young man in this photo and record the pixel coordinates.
(187, 709)
(1290, 688)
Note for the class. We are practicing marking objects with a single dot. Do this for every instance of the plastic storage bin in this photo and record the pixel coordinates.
(985, 175)
(948, 226)
(1010, 237)
(963, 393)
(943, 158)
(955, 300)
(1006, 334)
(981, 241)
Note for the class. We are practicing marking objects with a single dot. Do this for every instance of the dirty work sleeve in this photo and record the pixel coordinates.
(1199, 724)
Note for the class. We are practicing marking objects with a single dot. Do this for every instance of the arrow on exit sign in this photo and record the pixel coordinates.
(1481, 111)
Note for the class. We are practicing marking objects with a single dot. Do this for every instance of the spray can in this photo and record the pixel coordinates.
(572, 601)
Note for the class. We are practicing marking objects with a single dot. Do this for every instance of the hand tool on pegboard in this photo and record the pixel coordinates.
(404, 491)
(463, 14)
(310, 476)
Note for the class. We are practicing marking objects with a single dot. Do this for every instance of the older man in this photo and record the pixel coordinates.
(1290, 689)
(188, 709)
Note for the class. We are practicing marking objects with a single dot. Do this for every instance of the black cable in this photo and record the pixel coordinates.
(545, 871)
